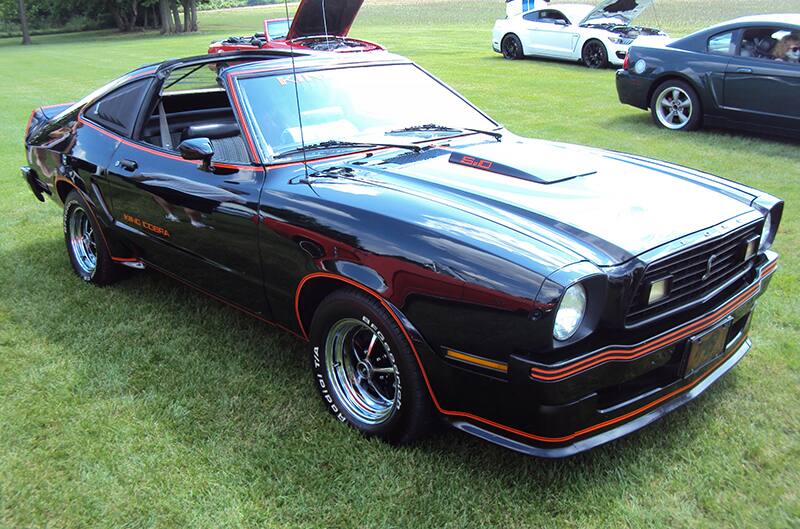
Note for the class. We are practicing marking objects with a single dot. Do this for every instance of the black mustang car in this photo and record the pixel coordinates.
(744, 74)
(543, 296)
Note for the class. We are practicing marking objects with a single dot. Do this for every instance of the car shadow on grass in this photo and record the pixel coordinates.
(642, 123)
(213, 376)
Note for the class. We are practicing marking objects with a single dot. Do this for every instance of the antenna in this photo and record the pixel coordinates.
(325, 26)
(297, 94)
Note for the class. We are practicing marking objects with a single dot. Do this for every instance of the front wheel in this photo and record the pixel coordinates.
(511, 47)
(365, 370)
(676, 106)
(594, 55)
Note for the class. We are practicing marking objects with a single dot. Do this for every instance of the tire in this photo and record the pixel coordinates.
(365, 370)
(87, 251)
(511, 47)
(594, 55)
(675, 105)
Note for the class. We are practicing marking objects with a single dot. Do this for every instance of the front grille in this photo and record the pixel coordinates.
(692, 277)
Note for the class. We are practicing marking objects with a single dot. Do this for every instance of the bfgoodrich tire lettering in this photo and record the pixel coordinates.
(87, 252)
(365, 370)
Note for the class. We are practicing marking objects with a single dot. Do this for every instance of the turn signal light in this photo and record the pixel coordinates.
(751, 248)
(626, 63)
(658, 290)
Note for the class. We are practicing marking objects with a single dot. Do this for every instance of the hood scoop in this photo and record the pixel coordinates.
(532, 161)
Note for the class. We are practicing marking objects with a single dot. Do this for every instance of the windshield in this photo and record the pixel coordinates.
(278, 29)
(361, 104)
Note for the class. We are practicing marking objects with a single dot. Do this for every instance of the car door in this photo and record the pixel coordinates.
(760, 88)
(192, 221)
(550, 33)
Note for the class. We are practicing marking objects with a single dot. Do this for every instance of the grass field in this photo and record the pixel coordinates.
(147, 405)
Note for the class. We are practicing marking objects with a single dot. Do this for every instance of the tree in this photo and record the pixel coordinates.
(176, 16)
(167, 25)
(23, 22)
(189, 15)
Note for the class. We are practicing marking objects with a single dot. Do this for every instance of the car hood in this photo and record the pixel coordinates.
(627, 10)
(338, 17)
(604, 206)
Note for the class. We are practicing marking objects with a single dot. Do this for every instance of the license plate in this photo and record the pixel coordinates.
(707, 347)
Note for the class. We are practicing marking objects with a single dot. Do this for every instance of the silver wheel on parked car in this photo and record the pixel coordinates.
(82, 241)
(86, 246)
(675, 106)
(362, 373)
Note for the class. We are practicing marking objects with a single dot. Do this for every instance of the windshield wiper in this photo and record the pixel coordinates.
(434, 127)
(336, 144)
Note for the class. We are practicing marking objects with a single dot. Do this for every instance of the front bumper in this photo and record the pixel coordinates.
(616, 53)
(564, 409)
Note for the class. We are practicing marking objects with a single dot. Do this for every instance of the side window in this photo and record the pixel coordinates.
(531, 17)
(194, 104)
(551, 16)
(118, 110)
(772, 44)
(722, 44)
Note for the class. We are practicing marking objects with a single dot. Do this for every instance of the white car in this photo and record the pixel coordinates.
(596, 35)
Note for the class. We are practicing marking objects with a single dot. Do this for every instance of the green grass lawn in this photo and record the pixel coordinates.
(147, 405)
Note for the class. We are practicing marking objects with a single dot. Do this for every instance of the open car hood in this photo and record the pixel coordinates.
(308, 20)
(627, 10)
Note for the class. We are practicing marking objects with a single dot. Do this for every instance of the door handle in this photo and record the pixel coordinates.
(128, 165)
(744, 70)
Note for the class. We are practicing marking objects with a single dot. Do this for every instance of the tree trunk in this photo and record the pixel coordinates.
(176, 16)
(186, 21)
(193, 7)
(166, 21)
(23, 22)
(134, 14)
(145, 18)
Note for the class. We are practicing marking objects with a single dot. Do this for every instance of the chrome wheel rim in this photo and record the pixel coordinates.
(81, 240)
(674, 108)
(362, 371)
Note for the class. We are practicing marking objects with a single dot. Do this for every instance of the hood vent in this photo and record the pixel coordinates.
(528, 160)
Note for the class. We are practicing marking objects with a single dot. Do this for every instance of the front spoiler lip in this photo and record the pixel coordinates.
(615, 433)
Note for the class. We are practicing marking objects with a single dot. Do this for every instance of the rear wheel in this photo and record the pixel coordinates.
(594, 55)
(676, 106)
(88, 255)
(511, 47)
(365, 370)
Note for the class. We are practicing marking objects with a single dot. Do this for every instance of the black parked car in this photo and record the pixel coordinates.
(743, 73)
(543, 296)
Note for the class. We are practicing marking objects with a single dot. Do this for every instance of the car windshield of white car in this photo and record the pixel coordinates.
(278, 29)
(367, 104)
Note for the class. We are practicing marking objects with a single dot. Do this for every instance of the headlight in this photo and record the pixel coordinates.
(766, 232)
(570, 312)
(616, 40)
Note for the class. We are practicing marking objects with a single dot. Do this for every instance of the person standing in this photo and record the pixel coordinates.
(517, 7)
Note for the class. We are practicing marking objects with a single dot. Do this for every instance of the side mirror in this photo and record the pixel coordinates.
(561, 22)
(197, 149)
